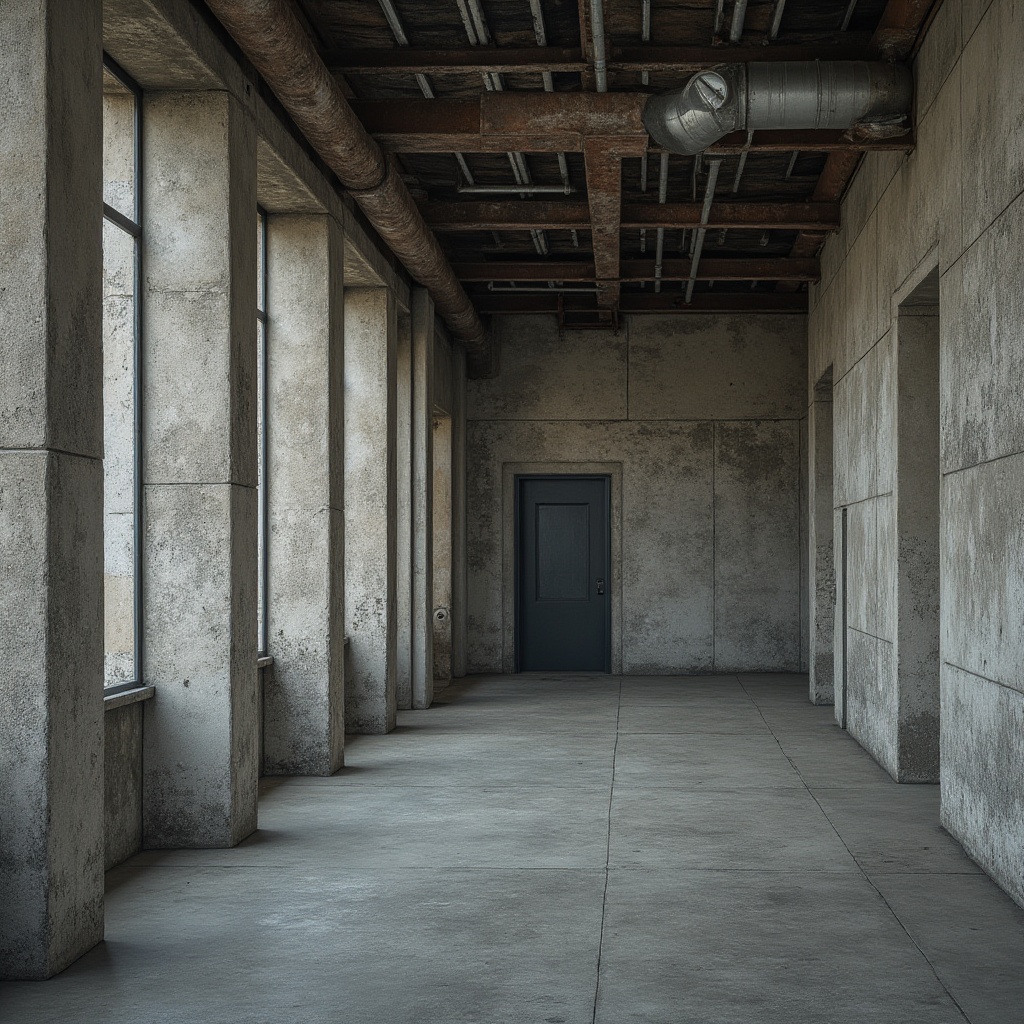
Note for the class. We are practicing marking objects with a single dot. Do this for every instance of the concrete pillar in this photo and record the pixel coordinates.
(304, 696)
(821, 556)
(442, 550)
(917, 545)
(199, 571)
(51, 487)
(404, 513)
(422, 499)
(460, 565)
(371, 395)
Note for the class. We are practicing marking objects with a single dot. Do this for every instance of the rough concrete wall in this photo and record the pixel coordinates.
(122, 783)
(701, 478)
(956, 202)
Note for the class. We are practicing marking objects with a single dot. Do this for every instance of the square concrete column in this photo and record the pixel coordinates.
(304, 696)
(821, 559)
(422, 499)
(371, 348)
(404, 548)
(51, 486)
(460, 565)
(199, 506)
(442, 552)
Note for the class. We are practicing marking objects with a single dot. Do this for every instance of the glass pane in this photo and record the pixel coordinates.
(261, 257)
(118, 146)
(119, 453)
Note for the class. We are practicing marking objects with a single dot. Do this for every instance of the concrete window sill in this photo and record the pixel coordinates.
(118, 700)
(265, 662)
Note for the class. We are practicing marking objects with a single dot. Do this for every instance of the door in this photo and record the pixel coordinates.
(563, 557)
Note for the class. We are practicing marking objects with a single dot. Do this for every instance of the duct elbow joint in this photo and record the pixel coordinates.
(870, 98)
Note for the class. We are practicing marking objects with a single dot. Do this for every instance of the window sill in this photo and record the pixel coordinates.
(265, 661)
(118, 700)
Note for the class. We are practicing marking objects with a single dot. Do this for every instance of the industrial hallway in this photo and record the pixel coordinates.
(677, 849)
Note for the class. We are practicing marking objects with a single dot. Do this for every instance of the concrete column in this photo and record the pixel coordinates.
(442, 548)
(821, 557)
(422, 499)
(917, 545)
(371, 396)
(404, 514)
(199, 570)
(51, 487)
(304, 696)
(460, 565)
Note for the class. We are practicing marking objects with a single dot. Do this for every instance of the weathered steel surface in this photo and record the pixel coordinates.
(604, 193)
(274, 40)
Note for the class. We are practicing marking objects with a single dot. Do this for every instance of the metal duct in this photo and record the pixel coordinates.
(272, 38)
(871, 95)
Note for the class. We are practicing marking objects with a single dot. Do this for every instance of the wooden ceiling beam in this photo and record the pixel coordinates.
(528, 215)
(677, 60)
(720, 269)
(508, 303)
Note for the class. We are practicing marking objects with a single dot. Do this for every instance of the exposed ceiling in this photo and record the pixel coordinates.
(473, 95)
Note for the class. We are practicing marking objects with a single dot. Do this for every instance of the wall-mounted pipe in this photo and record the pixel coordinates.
(273, 39)
(784, 94)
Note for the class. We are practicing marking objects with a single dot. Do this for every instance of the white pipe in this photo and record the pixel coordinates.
(600, 55)
(773, 32)
(662, 196)
(739, 15)
(705, 214)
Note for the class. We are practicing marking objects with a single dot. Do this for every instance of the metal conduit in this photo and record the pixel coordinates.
(662, 196)
(786, 94)
(600, 56)
(705, 214)
(739, 16)
(273, 39)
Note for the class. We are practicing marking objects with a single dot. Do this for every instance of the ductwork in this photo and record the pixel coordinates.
(869, 97)
(272, 38)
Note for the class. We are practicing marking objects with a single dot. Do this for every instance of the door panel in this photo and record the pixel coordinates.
(562, 590)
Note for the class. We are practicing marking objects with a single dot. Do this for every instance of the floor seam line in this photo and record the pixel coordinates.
(608, 858)
(860, 867)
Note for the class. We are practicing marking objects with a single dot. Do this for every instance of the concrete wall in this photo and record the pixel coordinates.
(702, 418)
(955, 204)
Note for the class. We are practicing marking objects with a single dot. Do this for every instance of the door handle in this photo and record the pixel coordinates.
(600, 588)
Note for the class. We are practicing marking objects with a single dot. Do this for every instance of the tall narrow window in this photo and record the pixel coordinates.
(122, 275)
(261, 423)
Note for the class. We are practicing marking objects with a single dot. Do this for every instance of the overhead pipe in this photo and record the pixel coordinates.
(709, 196)
(600, 55)
(273, 39)
(660, 245)
(871, 95)
(739, 16)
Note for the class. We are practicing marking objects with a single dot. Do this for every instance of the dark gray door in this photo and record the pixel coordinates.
(563, 548)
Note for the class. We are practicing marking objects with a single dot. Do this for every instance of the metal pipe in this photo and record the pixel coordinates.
(600, 56)
(739, 16)
(492, 287)
(271, 36)
(719, 16)
(503, 190)
(784, 94)
(645, 35)
(773, 32)
(850, 8)
(662, 196)
(705, 214)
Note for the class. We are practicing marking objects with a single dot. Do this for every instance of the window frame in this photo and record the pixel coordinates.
(263, 530)
(133, 228)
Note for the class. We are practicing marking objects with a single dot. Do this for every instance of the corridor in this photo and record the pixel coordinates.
(561, 850)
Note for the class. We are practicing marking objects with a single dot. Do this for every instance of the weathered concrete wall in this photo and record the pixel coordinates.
(710, 505)
(955, 204)
(122, 782)
(821, 578)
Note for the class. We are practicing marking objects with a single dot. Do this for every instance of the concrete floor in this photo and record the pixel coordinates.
(567, 849)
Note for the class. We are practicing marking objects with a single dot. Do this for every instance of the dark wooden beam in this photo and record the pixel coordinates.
(720, 269)
(508, 303)
(679, 60)
(538, 122)
(527, 215)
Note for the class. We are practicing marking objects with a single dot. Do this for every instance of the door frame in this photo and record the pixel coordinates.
(511, 472)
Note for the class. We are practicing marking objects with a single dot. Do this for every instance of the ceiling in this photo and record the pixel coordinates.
(476, 95)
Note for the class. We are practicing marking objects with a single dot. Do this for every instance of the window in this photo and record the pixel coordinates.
(261, 425)
(122, 477)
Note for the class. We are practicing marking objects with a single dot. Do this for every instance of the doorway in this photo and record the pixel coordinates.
(563, 589)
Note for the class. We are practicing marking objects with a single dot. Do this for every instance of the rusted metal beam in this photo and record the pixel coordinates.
(644, 302)
(679, 60)
(526, 215)
(282, 52)
(722, 269)
(604, 195)
(539, 122)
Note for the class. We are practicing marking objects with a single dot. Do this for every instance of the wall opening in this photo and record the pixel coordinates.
(918, 482)
(822, 582)
(442, 551)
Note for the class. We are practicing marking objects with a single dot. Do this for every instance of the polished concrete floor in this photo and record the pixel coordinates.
(567, 849)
